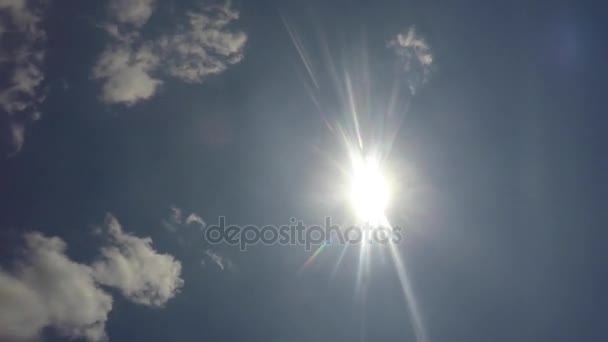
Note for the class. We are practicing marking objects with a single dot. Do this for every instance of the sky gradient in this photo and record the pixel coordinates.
(130, 126)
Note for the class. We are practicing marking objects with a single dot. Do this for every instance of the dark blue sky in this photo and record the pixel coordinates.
(504, 237)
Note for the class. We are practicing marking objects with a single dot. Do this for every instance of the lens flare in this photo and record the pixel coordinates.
(369, 191)
(366, 117)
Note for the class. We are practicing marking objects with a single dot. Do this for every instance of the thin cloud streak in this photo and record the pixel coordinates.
(415, 57)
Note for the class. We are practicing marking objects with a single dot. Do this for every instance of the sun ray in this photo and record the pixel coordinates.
(368, 138)
(339, 262)
(408, 294)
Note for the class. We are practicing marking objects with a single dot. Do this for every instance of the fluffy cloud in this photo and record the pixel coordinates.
(203, 47)
(133, 266)
(22, 41)
(48, 290)
(126, 74)
(415, 55)
(133, 12)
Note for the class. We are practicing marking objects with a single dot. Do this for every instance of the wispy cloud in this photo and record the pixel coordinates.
(205, 46)
(195, 219)
(48, 290)
(415, 56)
(176, 215)
(175, 220)
(22, 52)
(189, 233)
(221, 262)
(131, 68)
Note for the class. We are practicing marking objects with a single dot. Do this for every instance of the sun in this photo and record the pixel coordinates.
(369, 190)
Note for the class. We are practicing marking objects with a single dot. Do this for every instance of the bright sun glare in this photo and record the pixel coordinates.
(369, 191)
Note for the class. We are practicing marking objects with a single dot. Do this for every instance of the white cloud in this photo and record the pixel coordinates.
(49, 290)
(20, 97)
(220, 261)
(194, 218)
(126, 74)
(133, 12)
(22, 16)
(176, 220)
(16, 136)
(206, 47)
(415, 54)
(203, 47)
(133, 266)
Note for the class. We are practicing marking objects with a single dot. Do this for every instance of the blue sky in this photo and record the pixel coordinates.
(129, 127)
